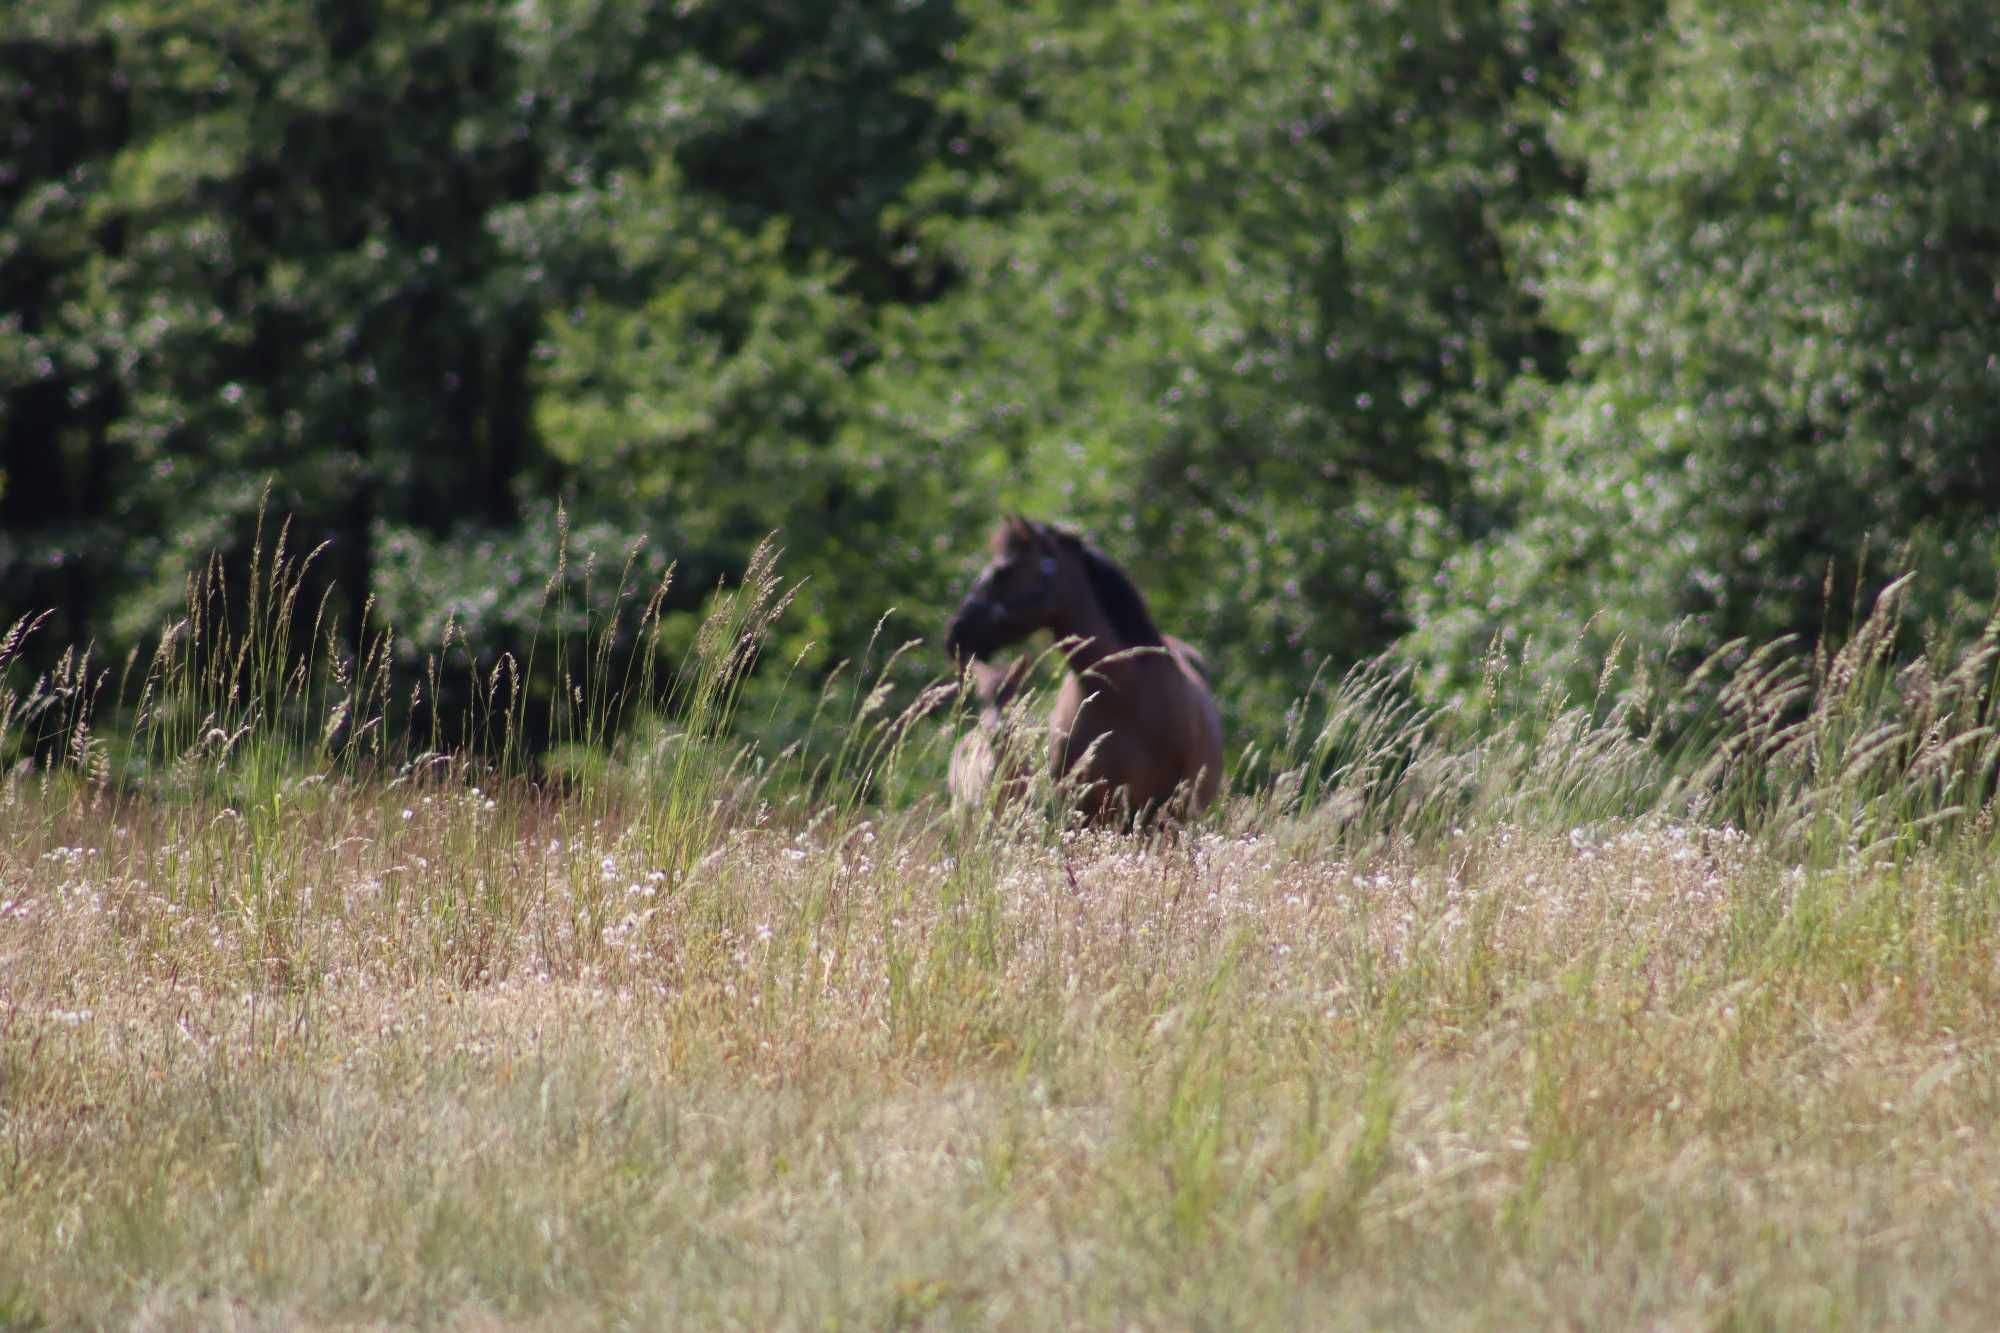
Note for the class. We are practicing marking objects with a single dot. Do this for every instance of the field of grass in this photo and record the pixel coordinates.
(1520, 1023)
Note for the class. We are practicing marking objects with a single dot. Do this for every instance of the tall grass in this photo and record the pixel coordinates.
(251, 697)
(1849, 752)
(1667, 1007)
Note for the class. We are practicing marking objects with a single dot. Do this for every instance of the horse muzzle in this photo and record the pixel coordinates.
(973, 632)
(958, 645)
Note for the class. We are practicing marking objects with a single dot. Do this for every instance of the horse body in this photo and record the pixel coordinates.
(1135, 728)
(1136, 734)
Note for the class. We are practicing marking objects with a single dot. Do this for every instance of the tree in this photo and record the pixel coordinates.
(1780, 284)
(1235, 292)
(61, 488)
(432, 269)
(286, 223)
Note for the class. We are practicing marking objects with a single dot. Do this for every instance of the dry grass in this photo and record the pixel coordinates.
(468, 1060)
(1534, 1023)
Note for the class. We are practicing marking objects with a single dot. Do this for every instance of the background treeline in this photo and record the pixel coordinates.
(1350, 327)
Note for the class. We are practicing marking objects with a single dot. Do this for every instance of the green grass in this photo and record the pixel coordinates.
(1531, 1020)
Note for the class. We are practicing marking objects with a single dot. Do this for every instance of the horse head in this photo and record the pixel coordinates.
(1014, 595)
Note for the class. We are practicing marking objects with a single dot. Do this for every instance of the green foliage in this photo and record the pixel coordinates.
(424, 269)
(677, 410)
(1234, 290)
(1432, 328)
(1780, 285)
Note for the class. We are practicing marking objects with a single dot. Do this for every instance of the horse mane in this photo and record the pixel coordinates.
(1121, 601)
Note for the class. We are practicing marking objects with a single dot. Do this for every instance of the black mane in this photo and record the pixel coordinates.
(1121, 601)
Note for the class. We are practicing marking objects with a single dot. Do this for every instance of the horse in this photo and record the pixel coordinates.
(1135, 730)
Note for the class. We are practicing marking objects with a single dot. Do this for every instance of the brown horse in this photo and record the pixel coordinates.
(1135, 729)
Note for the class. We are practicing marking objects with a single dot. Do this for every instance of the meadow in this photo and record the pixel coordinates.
(1527, 1018)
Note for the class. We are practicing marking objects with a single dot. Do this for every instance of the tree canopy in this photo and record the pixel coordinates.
(1350, 328)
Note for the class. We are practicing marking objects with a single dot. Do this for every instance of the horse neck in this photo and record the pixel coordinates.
(1086, 635)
